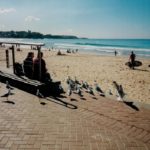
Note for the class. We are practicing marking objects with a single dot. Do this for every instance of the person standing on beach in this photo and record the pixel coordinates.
(132, 59)
(115, 53)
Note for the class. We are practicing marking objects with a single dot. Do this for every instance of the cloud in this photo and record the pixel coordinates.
(31, 18)
(7, 10)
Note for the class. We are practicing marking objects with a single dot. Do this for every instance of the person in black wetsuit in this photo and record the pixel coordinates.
(115, 53)
(132, 59)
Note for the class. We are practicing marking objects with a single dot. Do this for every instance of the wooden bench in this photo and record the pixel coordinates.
(31, 86)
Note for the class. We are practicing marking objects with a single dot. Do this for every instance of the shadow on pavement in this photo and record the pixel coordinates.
(7, 94)
(130, 104)
(9, 102)
(141, 69)
(61, 102)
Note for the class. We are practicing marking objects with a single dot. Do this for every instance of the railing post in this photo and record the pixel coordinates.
(39, 53)
(7, 58)
(13, 58)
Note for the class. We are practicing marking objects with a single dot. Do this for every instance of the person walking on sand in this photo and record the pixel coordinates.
(132, 59)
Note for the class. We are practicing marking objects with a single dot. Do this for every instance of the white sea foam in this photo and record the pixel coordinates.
(102, 47)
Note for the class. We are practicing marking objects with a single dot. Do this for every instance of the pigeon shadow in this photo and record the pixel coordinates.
(9, 102)
(94, 98)
(7, 94)
(62, 96)
(61, 102)
(83, 98)
(73, 99)
(141, 69)
(102, 95)
(43, 103)
(130, 104)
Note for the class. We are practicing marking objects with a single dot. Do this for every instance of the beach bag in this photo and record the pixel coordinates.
(18, 69)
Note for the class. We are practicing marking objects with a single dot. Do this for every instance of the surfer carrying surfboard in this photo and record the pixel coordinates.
(132, 62)
(132, 59)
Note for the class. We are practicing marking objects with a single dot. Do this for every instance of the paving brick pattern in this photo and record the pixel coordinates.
(97, 123)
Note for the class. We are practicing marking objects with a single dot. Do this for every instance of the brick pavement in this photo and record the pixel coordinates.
(97, 123)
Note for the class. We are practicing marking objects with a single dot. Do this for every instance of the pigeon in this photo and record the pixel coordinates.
(76, 81)
(90, 90)
(69, 91)
(122, 94)
(109, 92)
(71, 83)
(68, 79)
(8, 86)
(98, 89)
(78, 91)
(7, 94)
(84, 85)
(40, 95)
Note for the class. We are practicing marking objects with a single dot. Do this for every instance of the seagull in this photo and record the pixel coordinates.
(61, 89)
(90, 90)
(70, 82)
(98, 89)
(76, 81)
(78, 90)
(40, 95)
(68, 79)
(121, 91)
(84, 84)
(7, 94)
(8, 86)
(109, 92)
(69, 91)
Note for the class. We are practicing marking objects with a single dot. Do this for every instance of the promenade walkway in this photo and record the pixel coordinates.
(87, 123)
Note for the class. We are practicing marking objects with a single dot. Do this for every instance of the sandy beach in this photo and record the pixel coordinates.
(103, 69)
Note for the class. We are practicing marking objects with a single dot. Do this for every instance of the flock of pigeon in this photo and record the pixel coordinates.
(77, 87)
(74, 86)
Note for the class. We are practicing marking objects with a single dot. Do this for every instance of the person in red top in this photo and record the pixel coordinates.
(45, 76)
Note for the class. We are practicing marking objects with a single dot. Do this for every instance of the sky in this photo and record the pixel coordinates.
(83, 18)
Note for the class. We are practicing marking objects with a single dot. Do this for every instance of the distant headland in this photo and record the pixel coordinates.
(33, 35)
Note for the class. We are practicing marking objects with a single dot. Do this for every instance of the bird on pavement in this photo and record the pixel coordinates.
(40, 95)
(98, 89)
(8, 86)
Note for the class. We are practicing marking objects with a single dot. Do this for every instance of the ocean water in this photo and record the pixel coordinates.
(141, 47)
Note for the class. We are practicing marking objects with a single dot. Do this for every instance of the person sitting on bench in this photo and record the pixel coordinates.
(28, 65)
(45, 76)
